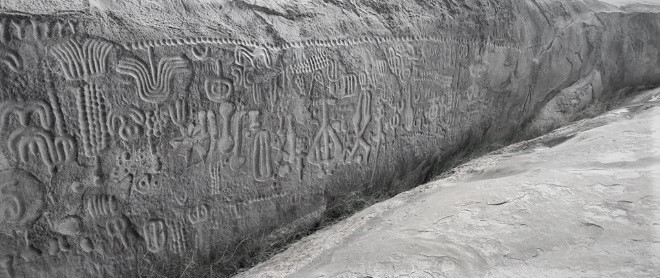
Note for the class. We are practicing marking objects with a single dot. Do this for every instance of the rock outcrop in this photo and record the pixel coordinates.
(156, 138)
(581, 201)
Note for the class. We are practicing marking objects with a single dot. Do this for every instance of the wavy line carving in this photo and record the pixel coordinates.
(36, 141)
(12, 60)
(24, 112)
(153, 82)
(81, 61)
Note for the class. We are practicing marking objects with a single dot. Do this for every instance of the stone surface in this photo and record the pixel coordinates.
(152, 138)
(582, 201)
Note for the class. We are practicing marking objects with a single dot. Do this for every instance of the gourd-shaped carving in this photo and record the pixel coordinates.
(261, 163)
(24, 112)
(32, 140)
(153, 81)
(155, 235)
(21, 199)
(80, 61)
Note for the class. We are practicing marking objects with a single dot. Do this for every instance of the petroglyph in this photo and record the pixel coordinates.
(25, 112)
(116, 230)
(12, 60)
(198, 214)
(153, 82)
(261, 149)
(361, 119)
(237, 160)
(326, 149)
(200, 55)
(92, 119)
(177, 236)
(155, 235)
(102, 206)
(218, 88)
(305, 43)
(52, 151)
(151, 144)
(82, 61)
(22, 199)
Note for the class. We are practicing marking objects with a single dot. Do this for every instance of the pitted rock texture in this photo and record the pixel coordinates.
(154, 138)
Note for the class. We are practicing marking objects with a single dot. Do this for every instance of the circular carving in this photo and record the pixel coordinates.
(21, 198)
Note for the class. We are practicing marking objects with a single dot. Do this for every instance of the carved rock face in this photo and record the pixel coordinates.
(129, 142)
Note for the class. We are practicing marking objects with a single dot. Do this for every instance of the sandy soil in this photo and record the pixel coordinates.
(581, 201)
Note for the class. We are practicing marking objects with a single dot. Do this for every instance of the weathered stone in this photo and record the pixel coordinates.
(176, 130)
(579, 201)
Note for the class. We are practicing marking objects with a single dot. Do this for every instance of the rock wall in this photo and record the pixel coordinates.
(152, 138)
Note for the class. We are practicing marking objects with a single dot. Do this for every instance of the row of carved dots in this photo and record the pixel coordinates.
(306, 43)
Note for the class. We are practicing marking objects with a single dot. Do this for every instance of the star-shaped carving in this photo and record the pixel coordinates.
(192, 145)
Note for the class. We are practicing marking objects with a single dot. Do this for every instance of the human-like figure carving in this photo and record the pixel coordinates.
(290, 151)
(218, 88)
(81, 61)
(361, 120)
(153, 81)
(326, 148)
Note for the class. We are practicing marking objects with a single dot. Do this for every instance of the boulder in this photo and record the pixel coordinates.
(197, 137)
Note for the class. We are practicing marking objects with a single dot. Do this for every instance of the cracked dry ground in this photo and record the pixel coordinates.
(581, 201)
